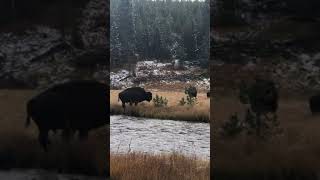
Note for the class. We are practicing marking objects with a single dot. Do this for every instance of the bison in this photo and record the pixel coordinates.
(191, 91)
(134, 95)
(263, 96)
(71, 106)
(208, 94)
(314, 104)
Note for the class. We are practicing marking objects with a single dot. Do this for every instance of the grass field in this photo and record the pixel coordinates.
(173, 111)
(294, 154)
(138, 166)
(19, 147)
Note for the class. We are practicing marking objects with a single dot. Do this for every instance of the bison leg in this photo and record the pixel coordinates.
(124, 106)
(43, 139)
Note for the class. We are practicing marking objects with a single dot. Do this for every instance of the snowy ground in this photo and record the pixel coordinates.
(157, 73)
(18, 174)
(118, 79)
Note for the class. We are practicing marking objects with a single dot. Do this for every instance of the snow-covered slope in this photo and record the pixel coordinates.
(157, 73)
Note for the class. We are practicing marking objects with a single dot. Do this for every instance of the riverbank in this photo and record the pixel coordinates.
(19, 146)
(139, 166)
(292, 154)
(173, 111)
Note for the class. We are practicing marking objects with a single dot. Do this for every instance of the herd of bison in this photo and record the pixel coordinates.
(76, 106)
(79, 106)
(263, 97)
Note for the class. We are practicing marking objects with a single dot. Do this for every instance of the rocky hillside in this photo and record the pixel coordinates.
(38, 53)
(158, 75)
(276, 40)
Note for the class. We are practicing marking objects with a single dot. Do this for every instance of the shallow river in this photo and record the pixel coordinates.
(159, 136)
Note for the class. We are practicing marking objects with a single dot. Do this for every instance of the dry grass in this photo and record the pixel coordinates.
(197, 113)
(19, 147)
(294, 154)
(138, 166)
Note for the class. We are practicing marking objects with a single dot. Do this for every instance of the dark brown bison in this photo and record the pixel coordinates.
(134, 95)
(263, 96)
(191, 91)
(314, 104)
(71, 106)
(208, 94)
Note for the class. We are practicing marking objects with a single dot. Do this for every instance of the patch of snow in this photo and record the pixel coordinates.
(316, 57)
(119, 79)
(156, 72)
(304, 57)
(203, 84)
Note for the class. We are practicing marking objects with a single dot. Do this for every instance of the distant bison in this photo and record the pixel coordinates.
(208, 94)
(191, 91)
(134, 95)
(72, 106)
(314, 104)
(263, 96)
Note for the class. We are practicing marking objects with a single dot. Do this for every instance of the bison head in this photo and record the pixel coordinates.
(148, 96)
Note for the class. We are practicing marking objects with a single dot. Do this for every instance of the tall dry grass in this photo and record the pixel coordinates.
(19, 147)
(294, 154)
(173, 111)
(139, 166)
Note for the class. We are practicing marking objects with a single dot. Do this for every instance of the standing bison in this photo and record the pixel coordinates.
(72, 106)
(261, 95)
(191, 91)
(314, 104)
(264, 96)
(134, 95)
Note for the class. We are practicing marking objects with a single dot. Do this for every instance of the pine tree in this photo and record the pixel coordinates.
(162, 29)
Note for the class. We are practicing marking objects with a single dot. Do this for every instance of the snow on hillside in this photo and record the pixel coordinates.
(154, 72)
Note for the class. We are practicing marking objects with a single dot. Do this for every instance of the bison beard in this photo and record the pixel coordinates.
(72, 106)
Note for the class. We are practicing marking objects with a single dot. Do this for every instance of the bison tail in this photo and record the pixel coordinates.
(28, 121)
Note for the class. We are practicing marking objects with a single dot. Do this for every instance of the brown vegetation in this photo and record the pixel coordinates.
(19, 147)
(173, 111)
(294, 154)
(138, 166)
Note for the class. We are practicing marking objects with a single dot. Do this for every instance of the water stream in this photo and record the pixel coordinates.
(159, 136)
